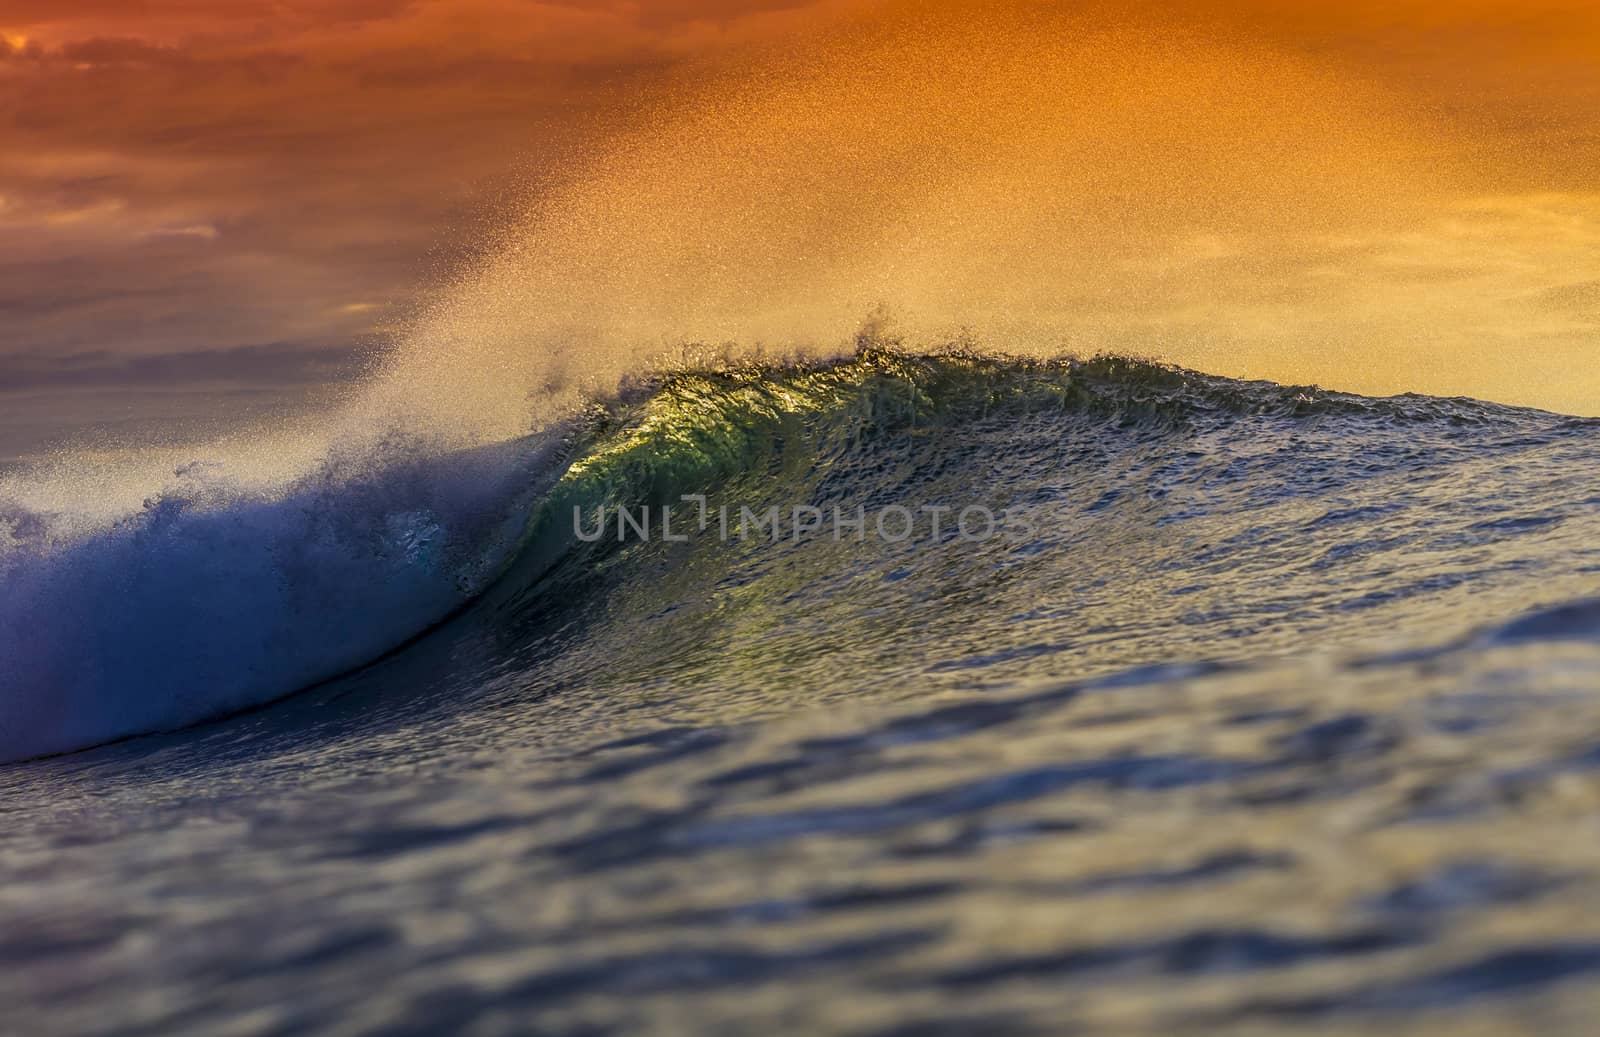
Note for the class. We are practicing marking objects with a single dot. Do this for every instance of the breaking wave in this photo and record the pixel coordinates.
(214, 597)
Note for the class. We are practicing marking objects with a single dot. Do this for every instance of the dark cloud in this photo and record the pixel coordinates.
(677, 12)
(181, 179)
(187, 177)
(118, 51)
(262, 365)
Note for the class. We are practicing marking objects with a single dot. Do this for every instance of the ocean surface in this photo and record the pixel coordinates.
(1060, 697)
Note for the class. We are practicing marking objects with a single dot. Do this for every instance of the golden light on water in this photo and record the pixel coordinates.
(1376, 197)
(1044, 183)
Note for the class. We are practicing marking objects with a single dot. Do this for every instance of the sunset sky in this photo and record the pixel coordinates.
(197, 193)
(217, 180)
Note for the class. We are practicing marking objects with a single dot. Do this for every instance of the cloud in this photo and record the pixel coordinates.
(181, 175)
(196, 231)
(185, 177)
(273, 364)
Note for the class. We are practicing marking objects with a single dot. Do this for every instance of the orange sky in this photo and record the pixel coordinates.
(196, 176)
(197, 191)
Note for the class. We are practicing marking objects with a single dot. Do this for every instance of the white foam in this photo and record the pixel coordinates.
(215, 596)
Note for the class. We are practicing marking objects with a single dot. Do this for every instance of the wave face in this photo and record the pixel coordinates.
(1257, 706)
(1250, 515)
(213, 598)
(1139, 512)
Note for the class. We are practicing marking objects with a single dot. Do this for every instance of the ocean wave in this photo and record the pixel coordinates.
(211, 599)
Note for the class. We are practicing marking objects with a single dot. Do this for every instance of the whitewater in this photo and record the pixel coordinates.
(1282, 713)
(1275, 705)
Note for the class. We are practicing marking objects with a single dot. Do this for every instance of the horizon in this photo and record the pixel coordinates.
(209, 213)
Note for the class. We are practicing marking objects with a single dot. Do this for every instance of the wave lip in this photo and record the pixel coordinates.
(213, 599)
(208, 602)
